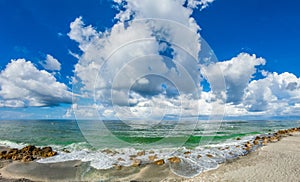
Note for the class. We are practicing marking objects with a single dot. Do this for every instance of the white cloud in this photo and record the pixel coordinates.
(237, 73)
(113, 62)
(123, 71)
(202, 3)
(276, 94)
(51, 63)
(23, 85)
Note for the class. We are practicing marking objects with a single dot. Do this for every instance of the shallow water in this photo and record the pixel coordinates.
(86, 140)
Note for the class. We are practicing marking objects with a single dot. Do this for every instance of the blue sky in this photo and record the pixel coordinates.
(31, 30)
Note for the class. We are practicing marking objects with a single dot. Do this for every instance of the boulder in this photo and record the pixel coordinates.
(159, 162)
(13, 151)
(141, 153)
(152, 157)
(248, 145)
(28, 149)
(51, 154)
(136, 162)
(121, 159)
(26, 158)
(66, 150)
(257, 138)
(187, 153)
(117, 167)
(209, 155)
(174, 159)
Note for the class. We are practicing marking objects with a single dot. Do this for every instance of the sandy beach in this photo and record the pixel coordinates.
(275, 162)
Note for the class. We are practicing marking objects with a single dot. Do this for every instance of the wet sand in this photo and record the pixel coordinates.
(278, 161)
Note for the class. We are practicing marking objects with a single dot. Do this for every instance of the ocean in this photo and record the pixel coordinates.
(106, 143)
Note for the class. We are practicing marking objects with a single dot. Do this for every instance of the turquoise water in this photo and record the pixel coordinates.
(66, 132)
(86, 140)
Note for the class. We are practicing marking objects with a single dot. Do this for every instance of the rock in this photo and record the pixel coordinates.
(117, 167)
(141, 153)
(13, 151)
(28, 149)
(37, 151)
(248, 145)
(27, 153)
(26, 158)
(107, 151)
(132, 156)
(66, 150)
(274, 139)
(265, 141)
(238, 138)
(2, 154)
(187, 153)
(121, 159)
(209, 155)
(17, 157)
(174, 160)
(159, 162)
(248, 148)
(151, 152)
(51, 154)
(199, 156)
(152, 157)
(47, 149)
(8, 156)
(255, 142)
(257, 138)
(136, 162)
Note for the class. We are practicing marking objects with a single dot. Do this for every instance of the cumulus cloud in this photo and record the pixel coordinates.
(276, 93)
(152, 51)
(23, 85)
(51, 63)
(150, 64)
(237, 73)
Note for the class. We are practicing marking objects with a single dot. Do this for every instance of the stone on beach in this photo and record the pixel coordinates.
(152, 157)
(141, 153)
(209, 155)
(255, 142)
(274, 139)
(248, 145)
(136, 162)
(174, 159)
(159, 162)
(187, 153)
(117, 167)
(121, 159)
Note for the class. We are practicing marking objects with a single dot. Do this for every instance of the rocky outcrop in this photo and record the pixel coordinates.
(28, 153)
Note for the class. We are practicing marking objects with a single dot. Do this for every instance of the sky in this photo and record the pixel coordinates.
(157, 59)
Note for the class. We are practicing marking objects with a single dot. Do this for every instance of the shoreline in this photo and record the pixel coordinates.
(258, 165)
(275, 162)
